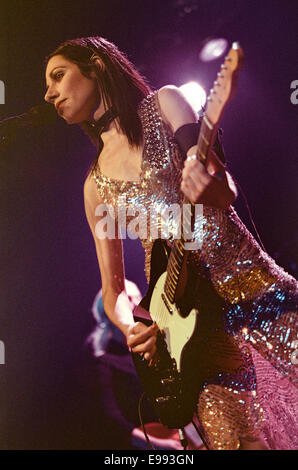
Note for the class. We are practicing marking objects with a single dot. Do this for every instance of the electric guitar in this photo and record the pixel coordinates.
(171, 380)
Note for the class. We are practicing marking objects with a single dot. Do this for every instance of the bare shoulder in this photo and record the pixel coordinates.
(175, 109)
(169, 93)
(91, 196)
(88, 186)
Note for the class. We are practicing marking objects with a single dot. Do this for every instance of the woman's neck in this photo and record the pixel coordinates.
(107, 121)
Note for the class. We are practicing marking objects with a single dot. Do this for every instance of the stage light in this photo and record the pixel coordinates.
(213, 49)
(195, 94)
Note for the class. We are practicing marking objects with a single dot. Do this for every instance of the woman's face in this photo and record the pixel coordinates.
(75, 97)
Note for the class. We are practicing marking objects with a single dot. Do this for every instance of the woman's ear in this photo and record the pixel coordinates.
(96, 60)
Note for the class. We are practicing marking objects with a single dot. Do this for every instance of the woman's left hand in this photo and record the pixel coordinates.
(209, 185)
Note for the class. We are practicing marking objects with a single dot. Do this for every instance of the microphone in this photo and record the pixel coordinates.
(37, 116)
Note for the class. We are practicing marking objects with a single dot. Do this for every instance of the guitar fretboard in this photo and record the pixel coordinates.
(178, 253)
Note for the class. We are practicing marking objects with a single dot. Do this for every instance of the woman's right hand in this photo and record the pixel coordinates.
(142, 339)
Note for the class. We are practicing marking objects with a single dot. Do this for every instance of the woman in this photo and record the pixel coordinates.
(142, 139)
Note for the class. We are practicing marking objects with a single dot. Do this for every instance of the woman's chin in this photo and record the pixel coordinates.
(74, 117)
(70, 119)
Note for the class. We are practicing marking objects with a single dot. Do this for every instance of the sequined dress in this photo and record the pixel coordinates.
(249, 371)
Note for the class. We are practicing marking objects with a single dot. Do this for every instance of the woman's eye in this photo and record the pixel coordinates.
(59, 75)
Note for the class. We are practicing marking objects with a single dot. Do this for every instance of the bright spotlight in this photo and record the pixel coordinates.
(195, 95)
(213, 49)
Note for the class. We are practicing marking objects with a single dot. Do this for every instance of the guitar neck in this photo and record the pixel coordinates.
(206, 139)
(178, 253)
(223, 90)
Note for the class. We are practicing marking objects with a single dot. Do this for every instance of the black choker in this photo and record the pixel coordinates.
(104, 121)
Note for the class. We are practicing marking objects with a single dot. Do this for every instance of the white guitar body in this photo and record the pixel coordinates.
(177, 330)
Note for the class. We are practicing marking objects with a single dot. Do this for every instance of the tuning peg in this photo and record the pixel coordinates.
(212, 91)
(216, 83)
(223, 67)
(220, 74)
(228, 58)
(236, 45)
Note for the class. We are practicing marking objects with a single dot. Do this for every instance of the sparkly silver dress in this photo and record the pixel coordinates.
(249, 346)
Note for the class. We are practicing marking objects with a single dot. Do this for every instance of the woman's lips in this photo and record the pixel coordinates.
(58, 107)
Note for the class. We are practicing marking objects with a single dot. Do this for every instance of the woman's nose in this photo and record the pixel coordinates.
(50, 95)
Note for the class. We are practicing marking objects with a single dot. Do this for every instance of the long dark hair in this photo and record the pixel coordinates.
(121, 85)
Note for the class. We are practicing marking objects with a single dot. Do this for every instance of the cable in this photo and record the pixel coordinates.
(183, 438)
(182, 435)
(141, 421)
(200, 434)
(249, 212)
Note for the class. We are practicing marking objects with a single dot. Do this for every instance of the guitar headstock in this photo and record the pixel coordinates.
(225, 85)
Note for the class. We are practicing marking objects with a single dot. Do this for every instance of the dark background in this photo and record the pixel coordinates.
(48, 267)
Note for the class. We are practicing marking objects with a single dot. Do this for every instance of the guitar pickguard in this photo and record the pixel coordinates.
(169, 381)
(176, 329)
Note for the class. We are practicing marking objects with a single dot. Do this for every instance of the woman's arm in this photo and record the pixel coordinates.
(110, 260)
(117, 305)
(210, 185)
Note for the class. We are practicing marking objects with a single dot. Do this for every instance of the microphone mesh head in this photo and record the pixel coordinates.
(42, 115)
